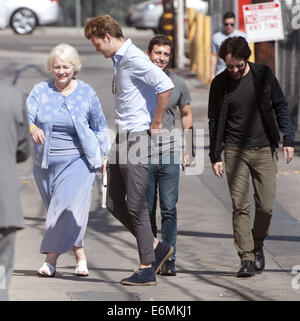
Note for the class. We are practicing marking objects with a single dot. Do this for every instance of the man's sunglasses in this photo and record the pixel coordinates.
(238, 66)
(228, 24)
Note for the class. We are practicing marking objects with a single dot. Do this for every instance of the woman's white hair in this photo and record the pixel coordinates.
(65, 52)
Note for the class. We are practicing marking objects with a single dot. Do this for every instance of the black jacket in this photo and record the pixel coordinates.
(272, 103)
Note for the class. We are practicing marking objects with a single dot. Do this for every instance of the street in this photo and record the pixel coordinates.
(206, 258)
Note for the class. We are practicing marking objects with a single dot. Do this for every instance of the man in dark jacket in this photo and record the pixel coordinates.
(15, 147)
(246, 104)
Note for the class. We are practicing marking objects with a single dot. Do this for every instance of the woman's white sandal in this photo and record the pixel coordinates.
(81, 269)
(47, 270)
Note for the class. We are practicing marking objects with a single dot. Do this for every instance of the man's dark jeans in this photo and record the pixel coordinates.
(164, 178)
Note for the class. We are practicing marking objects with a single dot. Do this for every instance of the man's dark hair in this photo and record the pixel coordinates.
(159, 40)
(236, 46)
(228, 15)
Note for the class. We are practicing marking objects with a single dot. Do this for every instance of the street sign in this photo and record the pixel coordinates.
(263, 21)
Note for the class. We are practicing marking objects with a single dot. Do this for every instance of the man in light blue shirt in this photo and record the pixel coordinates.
(217, 64)
(138, 115)
(135, 76)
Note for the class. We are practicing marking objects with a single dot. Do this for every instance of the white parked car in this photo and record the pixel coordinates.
(148, 14)
(24, 15)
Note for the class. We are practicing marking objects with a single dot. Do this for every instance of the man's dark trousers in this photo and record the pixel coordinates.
(127, 180)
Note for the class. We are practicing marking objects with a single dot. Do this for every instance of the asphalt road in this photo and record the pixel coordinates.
(206, 260)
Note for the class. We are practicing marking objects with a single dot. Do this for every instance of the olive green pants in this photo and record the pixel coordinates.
(261, 165)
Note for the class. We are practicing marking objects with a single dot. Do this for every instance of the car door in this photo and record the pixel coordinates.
(2, 15)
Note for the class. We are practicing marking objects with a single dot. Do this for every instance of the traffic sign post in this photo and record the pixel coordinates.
(265, 50)
(263, 22)
(168, 25)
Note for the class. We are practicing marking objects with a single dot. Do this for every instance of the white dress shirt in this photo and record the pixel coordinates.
(137, 83)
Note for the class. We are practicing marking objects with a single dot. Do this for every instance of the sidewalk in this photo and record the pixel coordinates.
(56, 31)
(206, 259)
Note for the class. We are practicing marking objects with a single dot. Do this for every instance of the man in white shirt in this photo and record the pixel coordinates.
(217, 64)
(137, 117)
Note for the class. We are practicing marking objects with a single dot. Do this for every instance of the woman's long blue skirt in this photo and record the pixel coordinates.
(65, 188)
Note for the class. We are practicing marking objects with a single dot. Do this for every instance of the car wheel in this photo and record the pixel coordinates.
(23, 21)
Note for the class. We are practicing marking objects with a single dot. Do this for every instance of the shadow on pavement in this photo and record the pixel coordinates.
(19, 72)
(99, 269)
(64, 276)
(289, 238)
(222, 273)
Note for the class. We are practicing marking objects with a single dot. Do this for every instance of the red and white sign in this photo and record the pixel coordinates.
(263, 21)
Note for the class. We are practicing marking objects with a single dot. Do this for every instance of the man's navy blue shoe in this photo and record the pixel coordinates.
(162, 252)
(141, 277)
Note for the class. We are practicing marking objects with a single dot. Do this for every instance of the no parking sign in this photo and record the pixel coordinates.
(263, 21)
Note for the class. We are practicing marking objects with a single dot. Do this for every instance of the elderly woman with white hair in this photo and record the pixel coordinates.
(69, 131)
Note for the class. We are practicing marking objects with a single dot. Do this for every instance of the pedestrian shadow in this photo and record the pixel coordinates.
(62, 276)
(72, 277)
(25, 273)
(203, 272)
(35, 219)
(19, 72)
(288, 238)
(222, 273)
(100, 269)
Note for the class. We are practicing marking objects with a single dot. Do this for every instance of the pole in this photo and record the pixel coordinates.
(236, 10)
(199, 45)
(169, 25)
(180, 35)
(78, 13)
(192, 32)
(252, 57)
(207, 48)
(265, 51)
(276, 59)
